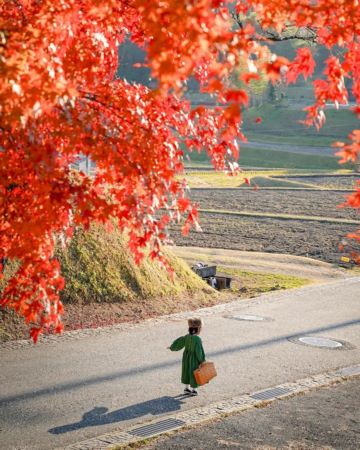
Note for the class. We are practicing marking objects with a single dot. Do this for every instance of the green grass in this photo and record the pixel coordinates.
(253, 283)
(279, 159)
(300, 93)
(257, 157)
(284, 123)
(307, 141)
(281, 125)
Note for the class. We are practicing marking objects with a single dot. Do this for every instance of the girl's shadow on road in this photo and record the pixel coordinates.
(100, 416)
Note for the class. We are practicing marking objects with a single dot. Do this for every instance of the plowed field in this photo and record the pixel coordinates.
(312, 238)
(287, 201)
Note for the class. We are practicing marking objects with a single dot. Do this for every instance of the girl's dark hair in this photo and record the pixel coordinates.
(193, 330)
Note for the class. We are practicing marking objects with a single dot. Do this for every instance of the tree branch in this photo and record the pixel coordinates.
(302, 33)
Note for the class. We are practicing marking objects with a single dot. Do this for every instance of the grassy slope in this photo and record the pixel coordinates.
(98, 267)
(272, 158)
(281, 125)
(105, 286)
(258, 157)
(284, 123)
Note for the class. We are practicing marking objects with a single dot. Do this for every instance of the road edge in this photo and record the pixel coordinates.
(171, 422)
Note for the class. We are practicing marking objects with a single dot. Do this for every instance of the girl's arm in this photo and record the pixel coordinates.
(178, 344)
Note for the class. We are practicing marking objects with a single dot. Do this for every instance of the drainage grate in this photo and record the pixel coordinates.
(270, 393)
(248, 317)
(350, 371)
(157, 428)
(325, 343)
(320, 342)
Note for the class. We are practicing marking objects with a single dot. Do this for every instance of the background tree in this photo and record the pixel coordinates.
(59, 98)
(256, 88)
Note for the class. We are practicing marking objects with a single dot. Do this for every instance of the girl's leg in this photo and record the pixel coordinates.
(193, 390)
(187, 389)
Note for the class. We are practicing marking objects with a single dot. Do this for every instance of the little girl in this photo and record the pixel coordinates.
(193, 355)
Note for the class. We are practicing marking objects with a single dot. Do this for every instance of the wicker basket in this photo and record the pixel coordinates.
(204, 373)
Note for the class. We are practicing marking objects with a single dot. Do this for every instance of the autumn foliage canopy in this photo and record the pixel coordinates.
(59, 98)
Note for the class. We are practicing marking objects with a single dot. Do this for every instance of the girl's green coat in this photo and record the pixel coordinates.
(193, 356)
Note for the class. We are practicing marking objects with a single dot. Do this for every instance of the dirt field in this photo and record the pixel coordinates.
(313, 238)
(307, 203)
(337, 182)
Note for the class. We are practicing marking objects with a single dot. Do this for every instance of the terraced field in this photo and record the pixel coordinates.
(312, 239)
(328, 182)
(315, 228)
(285, 201)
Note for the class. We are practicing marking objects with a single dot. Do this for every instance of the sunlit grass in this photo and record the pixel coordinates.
(221, 179)
(263, 178)
(254, 283)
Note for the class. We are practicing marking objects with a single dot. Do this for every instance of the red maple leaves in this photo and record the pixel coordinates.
(59, 99)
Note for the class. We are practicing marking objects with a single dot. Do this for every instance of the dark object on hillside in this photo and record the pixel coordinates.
(208, 274)
(204, 271)
(223, 282)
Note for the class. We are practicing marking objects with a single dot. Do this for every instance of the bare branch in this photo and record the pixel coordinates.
(289, 33)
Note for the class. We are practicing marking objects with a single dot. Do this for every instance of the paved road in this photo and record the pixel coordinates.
(65, 391)
(326, 419)
(292, 148)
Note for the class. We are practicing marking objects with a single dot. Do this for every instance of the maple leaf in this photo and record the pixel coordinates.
(276, 67)
(303, 64)
(61, 102)
(249, 76)
(239, 96)
(34, 333)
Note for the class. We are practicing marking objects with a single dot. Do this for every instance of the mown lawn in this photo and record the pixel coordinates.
(265, 158)
(272, 158)
(283, 125)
